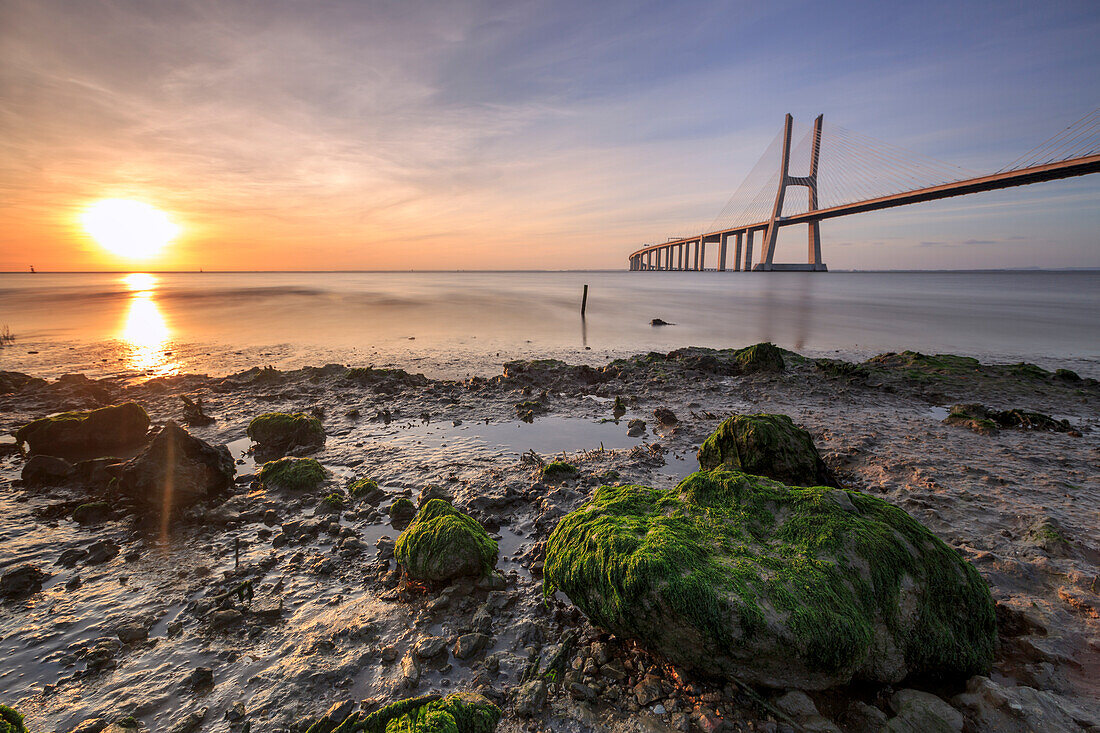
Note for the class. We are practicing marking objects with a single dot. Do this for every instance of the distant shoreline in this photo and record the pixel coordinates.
(453, 272)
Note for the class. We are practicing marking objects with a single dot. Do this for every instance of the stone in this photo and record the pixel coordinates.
(859, 717)
(799, 707)
(635, 428)
(281, 432)
(665, 416)
(101, 551)
(90, 725)
(410, 671)
(766, 445)
(740, 576)
(648, 691)
(22, 581)
(92, 513)
(429, 647)
(993, 707)
(442, 543)
(470, 644)
(530, 698)
(176, 470)
(922, 712)
(201, 678)
(762, 357)
(132, 633)
(44, 470)
(189, 723)
(86, 434)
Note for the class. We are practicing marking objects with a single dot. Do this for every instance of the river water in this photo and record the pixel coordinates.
(453, 324)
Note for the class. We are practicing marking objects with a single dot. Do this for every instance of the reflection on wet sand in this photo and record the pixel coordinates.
(144, 333)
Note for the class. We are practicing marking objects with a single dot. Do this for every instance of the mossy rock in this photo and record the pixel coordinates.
(558, 470)
(442, 543)
(92, 512)
(366, 490)
(401, 509)
(459, 712)
(86, 434)
(281, 431)
(764, 357)
(983, 420)
(300, 474)
(741, 576)
(11, 721)
(766, 445)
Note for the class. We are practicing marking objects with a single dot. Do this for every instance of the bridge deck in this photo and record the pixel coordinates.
(992, 182)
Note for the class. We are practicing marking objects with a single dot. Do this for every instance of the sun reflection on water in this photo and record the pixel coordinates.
(145, 334)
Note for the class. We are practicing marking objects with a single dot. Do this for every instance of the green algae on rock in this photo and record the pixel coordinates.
(459, 712)
(762, 357)
(766, 445)
(366, 489)
(284, 431)
(742, 576)
(88, 433)
(11, 721)
(442, 543)
(558, 470)
(300, 474)
(985, 421)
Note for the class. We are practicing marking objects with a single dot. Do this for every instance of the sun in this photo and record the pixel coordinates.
(131, 229)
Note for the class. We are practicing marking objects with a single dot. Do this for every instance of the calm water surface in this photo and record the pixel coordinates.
(455, 324)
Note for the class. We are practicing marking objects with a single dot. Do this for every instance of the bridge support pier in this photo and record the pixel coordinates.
(771, 235)
(737, 254)
(748, 250)
(722, 252)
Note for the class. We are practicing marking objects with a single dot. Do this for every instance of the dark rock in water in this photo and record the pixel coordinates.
(367, 491)
(92, 512)
(635, 428)
(176, 469)
(442, 543)
(42, 470)
(70, 557)
(84, 434)
(468, 645)
(551, 373)
(298, 474)
(985, 421)
(22, 581)
(740, 576)
(665, 416)
(202, 678)
(96, 473)
(101, 551)
(659, 322)
(193, 413)
(282, 432)
(15, 381)
(766, 445)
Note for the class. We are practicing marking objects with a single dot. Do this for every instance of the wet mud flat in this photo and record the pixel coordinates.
(265, 607)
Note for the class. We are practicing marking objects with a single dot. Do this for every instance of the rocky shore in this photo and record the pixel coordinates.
(753, 541)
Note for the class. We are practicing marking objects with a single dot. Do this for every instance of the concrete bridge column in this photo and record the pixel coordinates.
(695, 265)
(748, 250)
(722, 252)
(702, 253)
(737, 254)
(679, 257)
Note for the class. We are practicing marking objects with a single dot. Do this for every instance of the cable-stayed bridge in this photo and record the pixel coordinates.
(849, 173)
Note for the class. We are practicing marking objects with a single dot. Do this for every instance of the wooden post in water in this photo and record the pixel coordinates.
(584, 300)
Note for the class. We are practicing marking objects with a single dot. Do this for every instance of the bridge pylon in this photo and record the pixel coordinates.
(771, 234)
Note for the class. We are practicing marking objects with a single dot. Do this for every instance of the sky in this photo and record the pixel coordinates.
(405, 134)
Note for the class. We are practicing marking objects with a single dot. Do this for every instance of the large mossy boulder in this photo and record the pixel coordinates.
(176, 470)
(745, 577)
(284, 432)
(87, 434)
(442, 543)
(766, 445)
(298, 474)
(762, 357)
(459, 712)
